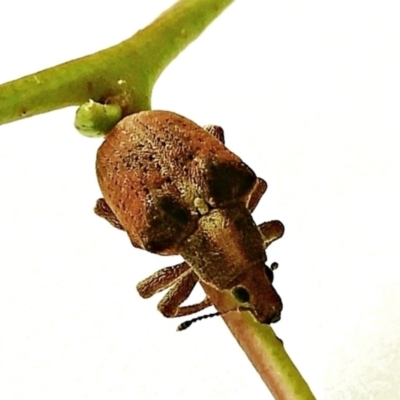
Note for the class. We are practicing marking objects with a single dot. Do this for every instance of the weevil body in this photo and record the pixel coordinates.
(176, 189)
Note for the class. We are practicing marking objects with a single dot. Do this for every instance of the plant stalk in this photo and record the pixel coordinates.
(263, 348)
(123, 74)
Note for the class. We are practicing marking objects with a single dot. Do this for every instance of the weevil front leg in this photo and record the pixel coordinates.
(170, 304)
(183, 280)
(271, 231)
(103, 210)
(161, 280)
(258, 190)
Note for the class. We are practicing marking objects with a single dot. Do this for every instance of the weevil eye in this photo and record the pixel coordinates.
(269, 273)
(241, 294)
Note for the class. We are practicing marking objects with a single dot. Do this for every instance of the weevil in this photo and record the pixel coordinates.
(176, 189)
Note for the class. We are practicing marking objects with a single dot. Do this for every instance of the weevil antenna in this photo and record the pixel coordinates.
(184, 325)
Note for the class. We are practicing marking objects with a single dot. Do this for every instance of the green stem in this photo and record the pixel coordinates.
(265, 351)
(124, 74)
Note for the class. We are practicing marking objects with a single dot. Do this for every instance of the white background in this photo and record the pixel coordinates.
(309, 94)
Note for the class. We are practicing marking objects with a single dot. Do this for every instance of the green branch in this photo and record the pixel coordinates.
(123, 74)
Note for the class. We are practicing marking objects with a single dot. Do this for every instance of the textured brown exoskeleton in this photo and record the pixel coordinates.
(176, 189)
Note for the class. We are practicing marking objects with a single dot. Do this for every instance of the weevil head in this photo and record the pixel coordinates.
(254, 291)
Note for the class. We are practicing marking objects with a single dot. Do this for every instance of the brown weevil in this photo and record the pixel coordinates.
(176, 189)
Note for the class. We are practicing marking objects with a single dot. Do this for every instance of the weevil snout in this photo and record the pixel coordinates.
(274, 314)
(267, 313)
(256, 293)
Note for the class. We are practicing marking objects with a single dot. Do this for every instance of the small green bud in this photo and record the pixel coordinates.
(95, 119)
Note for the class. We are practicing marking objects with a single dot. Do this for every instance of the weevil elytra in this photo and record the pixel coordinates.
(176, 189)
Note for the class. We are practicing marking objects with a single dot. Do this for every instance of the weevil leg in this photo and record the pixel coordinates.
(259, 189)
(271, 231)
(103, 210)
(215, 131)
(170, 304)
(161, 280)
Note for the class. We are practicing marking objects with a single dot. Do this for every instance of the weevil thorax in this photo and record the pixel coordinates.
(227, 252)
